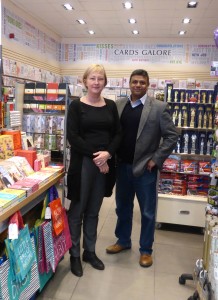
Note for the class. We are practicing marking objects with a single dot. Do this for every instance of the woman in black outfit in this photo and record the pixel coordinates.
(93, 131)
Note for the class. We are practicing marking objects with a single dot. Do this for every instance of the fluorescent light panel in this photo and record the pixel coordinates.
(67, 6)
(127, 5)
(186, 20)
(192, 4)
(182, 32)
(135, 32)
(91, 32)
(80, 21)
(132, 21)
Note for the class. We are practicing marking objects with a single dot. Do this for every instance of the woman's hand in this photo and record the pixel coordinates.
(101, 158)
(104, 168)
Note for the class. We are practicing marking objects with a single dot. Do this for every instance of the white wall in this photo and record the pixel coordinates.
(17, 51)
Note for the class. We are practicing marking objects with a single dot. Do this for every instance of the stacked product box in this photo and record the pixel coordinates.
(184, 177)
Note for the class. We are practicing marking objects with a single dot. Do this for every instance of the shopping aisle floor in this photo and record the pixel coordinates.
(174, 253)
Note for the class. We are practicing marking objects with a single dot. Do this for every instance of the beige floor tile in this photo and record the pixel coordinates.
(175, 259)
(168, 288)
(115, 282)
(62, 285)
(179, 238)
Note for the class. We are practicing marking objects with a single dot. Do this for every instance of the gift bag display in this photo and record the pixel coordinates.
(12, 290)
(63, 242)
(43, 266)
(41, 250)
(20, 251)
(55, 245)
(45, 271)
(52, 247)
(49, 245)
(56, 211)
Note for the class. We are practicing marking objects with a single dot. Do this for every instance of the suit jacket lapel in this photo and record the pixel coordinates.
(144, 116)
(121, 104)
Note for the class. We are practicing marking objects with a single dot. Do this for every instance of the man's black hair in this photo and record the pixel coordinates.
(139, 72)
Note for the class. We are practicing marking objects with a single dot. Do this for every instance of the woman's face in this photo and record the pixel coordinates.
(95, 82)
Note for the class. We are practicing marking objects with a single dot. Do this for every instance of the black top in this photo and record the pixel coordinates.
(130, 119)
(90, 129)
(96, 123)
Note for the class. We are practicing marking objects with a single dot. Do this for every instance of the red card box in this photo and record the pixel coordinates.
(30, 155)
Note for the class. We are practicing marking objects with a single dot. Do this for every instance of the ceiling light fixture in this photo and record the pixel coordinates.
(127, 5)
(132, 21)
(67, 6)
(91, 32)
(192, 4)
(182, 32)
(135, 32)
(186, 20)
(80, 21)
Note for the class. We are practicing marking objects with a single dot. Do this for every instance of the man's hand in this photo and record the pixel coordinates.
(150, 165)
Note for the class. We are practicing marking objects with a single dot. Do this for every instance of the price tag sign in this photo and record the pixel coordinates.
(13, 231)
(48, 213)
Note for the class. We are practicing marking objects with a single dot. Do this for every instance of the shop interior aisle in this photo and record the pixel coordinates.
(174, 253)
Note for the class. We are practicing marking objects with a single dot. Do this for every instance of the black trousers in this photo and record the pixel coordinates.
(85, 212)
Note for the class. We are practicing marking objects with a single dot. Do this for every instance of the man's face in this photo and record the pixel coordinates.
(138, 86)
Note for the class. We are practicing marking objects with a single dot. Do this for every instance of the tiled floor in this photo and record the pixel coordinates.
(174, 253)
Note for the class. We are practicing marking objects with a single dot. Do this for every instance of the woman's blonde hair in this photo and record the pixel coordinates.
(94, 68)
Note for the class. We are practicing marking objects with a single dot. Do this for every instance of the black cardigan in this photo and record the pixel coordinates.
(80, 148)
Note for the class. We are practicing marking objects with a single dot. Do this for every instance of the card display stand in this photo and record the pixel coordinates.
(44, 116)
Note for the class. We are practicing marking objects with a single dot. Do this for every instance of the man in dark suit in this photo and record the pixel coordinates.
(149, 137)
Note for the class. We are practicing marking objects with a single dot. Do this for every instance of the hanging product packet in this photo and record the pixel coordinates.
(12, 290)
(56, 211)
(19, 248)
(61, 242)
(44, 266)
(51, 247)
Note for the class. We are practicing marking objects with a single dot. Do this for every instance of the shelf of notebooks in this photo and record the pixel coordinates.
(41, 91)
(21, 188)
(44, 107)
(33, 199)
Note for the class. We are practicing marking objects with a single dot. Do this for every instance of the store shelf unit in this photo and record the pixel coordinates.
(193, 114)
(184, 210)
(28, 203)
(205, 270)
(44, 117)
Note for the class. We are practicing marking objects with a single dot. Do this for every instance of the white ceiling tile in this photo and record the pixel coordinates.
(109, 19)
